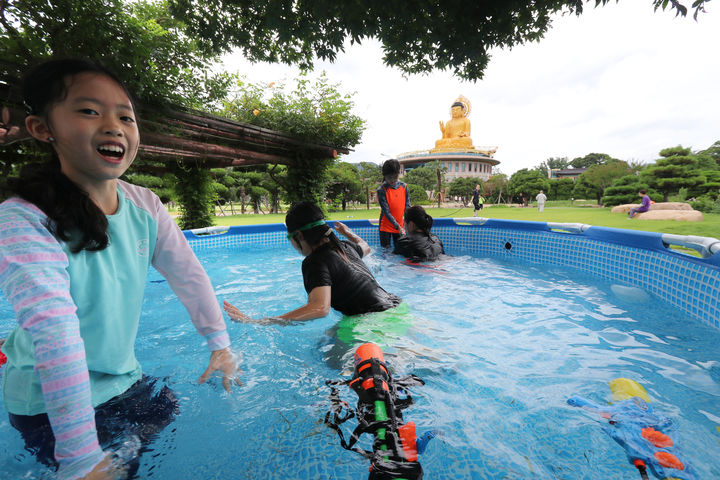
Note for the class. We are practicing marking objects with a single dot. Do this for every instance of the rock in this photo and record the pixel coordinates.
(680, 215)
(654, 206)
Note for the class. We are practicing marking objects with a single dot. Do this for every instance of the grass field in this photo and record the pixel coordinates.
(562, 213)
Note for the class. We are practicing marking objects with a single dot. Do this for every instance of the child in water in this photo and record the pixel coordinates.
(394, 199)
(76, 244)
(333, 271)
(419, 245)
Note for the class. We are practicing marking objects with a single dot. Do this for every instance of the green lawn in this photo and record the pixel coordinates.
(709, 227)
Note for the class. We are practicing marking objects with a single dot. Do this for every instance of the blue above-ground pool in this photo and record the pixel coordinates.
(520, 317)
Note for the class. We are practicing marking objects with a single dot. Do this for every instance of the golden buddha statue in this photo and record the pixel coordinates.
(456, 132)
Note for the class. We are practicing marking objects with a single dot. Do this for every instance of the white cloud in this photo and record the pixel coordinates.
(619, 79)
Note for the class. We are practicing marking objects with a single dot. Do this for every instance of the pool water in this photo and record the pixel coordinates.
(501, 346)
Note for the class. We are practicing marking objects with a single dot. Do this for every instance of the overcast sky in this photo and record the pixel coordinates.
(619, 79)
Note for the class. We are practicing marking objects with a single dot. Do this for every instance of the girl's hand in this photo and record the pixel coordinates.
(225, 361)
(235, 313)
(106, 470)
(342, 228)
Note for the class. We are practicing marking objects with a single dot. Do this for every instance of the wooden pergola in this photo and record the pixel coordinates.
(174, 134)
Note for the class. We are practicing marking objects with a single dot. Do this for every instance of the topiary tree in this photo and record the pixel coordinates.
(624, 190)
(561, 189)
(526, 184)
(418, 195)
(678, 168)
(713, 152)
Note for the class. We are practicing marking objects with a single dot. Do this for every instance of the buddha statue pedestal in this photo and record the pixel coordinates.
(449, 144)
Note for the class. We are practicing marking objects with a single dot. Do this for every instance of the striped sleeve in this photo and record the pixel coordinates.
(35, 281)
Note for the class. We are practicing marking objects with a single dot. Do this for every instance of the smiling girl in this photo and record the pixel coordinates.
(76, 244)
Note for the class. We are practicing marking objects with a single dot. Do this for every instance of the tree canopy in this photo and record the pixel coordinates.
(678, 168)
(527, 183)
(425, 176)
(313, 111)
(598, 177)
(416, 37)
(139, 41)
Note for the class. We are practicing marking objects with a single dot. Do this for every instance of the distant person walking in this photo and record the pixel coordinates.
(644, 205)
(477, 200)
(541, 198)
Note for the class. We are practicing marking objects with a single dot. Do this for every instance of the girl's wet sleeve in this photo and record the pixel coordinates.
(176, 261)
(34, 278)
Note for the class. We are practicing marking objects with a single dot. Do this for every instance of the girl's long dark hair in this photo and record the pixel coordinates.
(303, 213)
(420, 218)
(72, 216)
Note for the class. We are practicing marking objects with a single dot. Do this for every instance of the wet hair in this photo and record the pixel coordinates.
(391, 167)
(304, 213)
(419, 217)
(72, 216)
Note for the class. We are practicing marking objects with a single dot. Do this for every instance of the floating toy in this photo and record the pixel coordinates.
(3, 359)
(645, 435)
(379, 412)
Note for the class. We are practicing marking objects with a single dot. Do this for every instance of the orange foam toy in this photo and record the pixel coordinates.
(658, 439)
(668, 460)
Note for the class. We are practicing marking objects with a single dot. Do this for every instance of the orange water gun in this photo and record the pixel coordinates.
(381, 400)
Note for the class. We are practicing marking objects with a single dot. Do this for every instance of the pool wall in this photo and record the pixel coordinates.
(628, 257)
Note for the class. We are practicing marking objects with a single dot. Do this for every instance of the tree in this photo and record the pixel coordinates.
(678, 168)
(713, 151)
(527, 184)
(462, 187)
(561, 189)
(425, 176)
(496, 188)
(344, 183)
(591, 159)
(312, 112)
(417, 37)
(418, 195)
(139, 41)
(163, 186)
(196, 196)
(552, 163)
(624, 190)
(370, 176)
(316, 112)
(594, 181)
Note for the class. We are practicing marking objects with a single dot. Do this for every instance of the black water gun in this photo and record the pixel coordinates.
(381, 400)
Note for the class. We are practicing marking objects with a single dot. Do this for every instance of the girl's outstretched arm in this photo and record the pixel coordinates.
(317, 306)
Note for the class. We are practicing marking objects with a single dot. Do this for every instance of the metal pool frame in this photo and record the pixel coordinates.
(627, 257)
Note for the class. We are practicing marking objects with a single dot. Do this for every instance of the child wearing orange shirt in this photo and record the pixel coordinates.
(394, 200)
